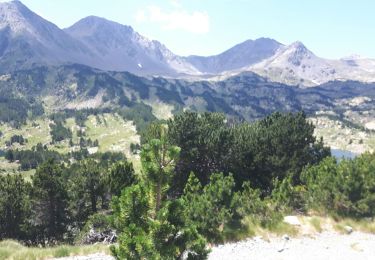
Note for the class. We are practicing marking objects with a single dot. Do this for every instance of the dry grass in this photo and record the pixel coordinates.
(36, 131)
(282, 228)
(363, 225)
(12, 250)
(250, 228)
(309, 226)
(316, 223)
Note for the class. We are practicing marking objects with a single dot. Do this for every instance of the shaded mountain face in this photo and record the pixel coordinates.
(244, 54)
(245, 96)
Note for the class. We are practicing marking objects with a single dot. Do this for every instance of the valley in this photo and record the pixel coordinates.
(116, 107)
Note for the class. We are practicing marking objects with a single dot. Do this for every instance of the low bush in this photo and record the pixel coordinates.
(249, 205)
(346, 188)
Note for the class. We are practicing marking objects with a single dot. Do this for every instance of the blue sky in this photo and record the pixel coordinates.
(330, 28)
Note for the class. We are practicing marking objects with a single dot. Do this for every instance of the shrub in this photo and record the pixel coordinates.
(98, 223)
(210, 208)
(248, 204)
(288, 197)
(347, 188)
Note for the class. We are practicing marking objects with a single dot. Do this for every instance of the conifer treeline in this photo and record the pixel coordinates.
(202, 176)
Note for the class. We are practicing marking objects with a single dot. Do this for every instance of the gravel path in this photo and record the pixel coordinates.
(327, 246)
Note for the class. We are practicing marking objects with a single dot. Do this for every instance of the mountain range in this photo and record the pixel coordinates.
(27, 40)
(246, 96)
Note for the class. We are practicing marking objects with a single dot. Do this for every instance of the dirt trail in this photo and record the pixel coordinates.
(308, 244)
(326, 245)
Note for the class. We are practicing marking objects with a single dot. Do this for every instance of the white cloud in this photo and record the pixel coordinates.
(195, 22)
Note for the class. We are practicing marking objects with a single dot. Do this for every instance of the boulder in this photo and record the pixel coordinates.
(348, 229)
(292, 220)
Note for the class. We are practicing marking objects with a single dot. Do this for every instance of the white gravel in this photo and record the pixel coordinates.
(327, 246)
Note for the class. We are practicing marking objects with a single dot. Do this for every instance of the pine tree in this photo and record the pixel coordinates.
(14, 206)
(158, 161)
(87, 187)
(205, 142)
(121, 175)
(50, 200)
(131, 219)
(151, 225)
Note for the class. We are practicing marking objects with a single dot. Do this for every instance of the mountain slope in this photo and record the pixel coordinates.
(120, 48)
(295, 64)
(27, 38)
(241, 55)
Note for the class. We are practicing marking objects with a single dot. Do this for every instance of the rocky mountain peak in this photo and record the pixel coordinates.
(241, 55)
(298, 46)
(297, 52)
(97, 25)
(16, 16)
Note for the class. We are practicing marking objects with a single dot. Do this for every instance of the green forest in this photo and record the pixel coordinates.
(205, 179)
